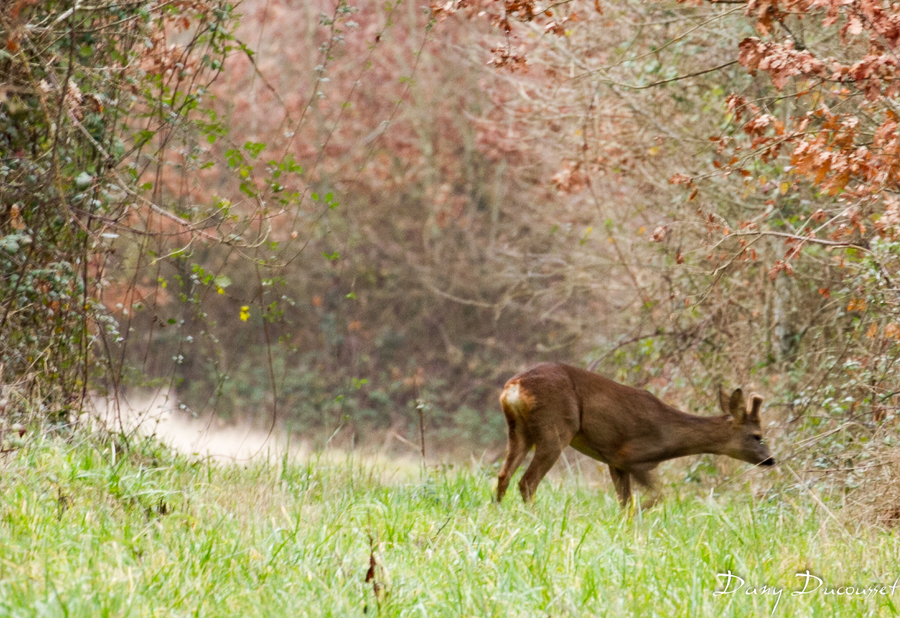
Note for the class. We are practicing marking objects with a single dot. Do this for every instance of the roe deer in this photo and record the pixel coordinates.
(552, 405)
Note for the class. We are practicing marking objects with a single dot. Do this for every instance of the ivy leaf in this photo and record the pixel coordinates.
(83, 180)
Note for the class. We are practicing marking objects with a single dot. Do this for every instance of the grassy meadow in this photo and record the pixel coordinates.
(88, 528)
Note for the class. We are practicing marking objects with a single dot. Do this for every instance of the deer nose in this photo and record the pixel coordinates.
(768, 462)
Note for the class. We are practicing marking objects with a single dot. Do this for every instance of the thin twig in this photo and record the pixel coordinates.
(819, 501)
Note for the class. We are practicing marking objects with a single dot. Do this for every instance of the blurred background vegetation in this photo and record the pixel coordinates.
(335, 215)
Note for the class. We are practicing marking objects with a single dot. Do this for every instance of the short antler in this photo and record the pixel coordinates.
(755, 405)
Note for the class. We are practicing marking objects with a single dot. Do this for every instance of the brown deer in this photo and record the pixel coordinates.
(552, 405)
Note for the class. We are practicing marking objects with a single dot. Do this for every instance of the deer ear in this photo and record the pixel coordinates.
(755, 405)
(736, 406)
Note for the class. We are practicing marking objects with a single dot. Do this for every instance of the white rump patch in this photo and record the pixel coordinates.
(517, 399)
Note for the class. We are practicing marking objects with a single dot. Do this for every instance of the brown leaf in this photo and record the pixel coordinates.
(778, 267)
(856, 304)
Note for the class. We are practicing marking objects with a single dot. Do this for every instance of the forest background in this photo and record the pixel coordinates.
(353, 220)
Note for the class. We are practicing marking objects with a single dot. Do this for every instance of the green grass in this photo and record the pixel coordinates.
(86, 531)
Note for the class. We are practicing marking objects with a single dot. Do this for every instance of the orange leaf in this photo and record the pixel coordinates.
(856, 304)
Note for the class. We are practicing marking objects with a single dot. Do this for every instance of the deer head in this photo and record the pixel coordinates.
(746, 441)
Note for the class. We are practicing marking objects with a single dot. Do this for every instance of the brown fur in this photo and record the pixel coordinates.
(551, 406)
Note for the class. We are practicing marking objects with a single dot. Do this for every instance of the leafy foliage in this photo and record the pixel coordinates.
(775, 124)
(86, 91)
(389, 211)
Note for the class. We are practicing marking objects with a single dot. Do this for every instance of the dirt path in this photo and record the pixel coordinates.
(159, 414)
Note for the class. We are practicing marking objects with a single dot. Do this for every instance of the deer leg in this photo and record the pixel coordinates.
(648, 502)
(645, 479)
(516, 448)
(546, 453)
(622, 481)
(551, 432)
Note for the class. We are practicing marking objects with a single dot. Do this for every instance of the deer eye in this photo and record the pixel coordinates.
(757, 438)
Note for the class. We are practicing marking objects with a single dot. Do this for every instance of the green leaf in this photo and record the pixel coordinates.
(144, 136)
(254, 148)
(83, 180)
